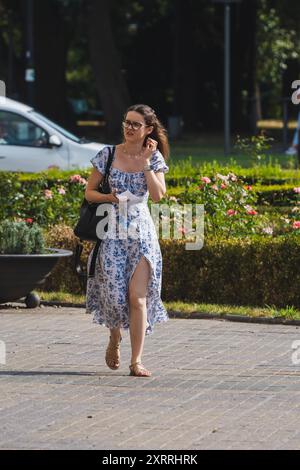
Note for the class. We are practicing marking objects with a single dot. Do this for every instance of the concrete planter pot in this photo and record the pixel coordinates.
(20, 274)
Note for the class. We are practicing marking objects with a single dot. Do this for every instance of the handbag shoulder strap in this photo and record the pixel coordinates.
(111, 151)
(110, 158)
(92, 269)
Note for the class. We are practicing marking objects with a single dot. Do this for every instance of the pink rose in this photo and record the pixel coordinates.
(296, 224)
(296, 190)
(222, 177)
(48, 194)
(231, 212)
(232, 176)
(61, 191)
(206, 179)
(215, 187)
(75, 178)
(250, 210)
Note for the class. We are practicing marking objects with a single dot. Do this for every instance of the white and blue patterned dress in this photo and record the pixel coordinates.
(107, 292)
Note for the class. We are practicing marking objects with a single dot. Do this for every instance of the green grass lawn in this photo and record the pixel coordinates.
(289, 313)
(209, 147)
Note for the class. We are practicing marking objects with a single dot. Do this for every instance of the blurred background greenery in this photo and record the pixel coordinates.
(93, 58)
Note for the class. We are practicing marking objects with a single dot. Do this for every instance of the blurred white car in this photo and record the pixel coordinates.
(30, 142)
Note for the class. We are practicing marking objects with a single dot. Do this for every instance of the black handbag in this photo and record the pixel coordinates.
(85, 229)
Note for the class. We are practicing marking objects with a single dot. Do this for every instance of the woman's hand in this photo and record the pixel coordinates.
(113, 196)
(151, 146)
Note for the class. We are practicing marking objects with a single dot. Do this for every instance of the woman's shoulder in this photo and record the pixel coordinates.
(104, 152)
(100, 159)
(106, 149)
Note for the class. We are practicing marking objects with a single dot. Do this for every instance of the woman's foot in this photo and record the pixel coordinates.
(138, 370)
(112, 356)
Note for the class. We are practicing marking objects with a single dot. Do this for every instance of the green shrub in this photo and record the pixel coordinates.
(63, 276)
(228, 205)
(276, 195)
(46, 201)
(21, 238)
(54, 196)
(254, 147)
(250, 271)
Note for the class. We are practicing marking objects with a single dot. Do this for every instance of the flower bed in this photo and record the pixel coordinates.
(231, 205)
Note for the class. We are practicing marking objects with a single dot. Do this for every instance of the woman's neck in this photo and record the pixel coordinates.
(132, 148)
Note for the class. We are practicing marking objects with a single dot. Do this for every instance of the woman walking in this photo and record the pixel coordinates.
(125, 292)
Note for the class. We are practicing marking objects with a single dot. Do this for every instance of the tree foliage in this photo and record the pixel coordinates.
(166, 53)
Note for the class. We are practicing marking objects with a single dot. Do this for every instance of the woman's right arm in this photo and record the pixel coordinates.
(91, 191)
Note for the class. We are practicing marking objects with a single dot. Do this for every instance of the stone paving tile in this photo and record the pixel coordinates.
(215, 385)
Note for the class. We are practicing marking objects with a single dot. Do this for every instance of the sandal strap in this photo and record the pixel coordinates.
(135, 363)
(114, 346)
(137, 369)
(140, 366)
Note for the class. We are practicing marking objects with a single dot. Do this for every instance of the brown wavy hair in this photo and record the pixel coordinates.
(159, 133)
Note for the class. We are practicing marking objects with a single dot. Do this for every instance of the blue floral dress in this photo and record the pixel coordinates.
(107, 292)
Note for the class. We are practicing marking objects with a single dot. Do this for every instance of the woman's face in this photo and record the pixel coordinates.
(140, 130)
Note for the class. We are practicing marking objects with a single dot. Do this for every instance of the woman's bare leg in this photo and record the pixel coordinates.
(113, 356)
(115, 334)
(137, 291)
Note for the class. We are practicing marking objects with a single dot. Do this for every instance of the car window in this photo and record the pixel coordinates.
(55, 126)
(17, 130)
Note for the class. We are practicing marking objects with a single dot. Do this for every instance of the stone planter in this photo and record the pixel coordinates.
(20, 274)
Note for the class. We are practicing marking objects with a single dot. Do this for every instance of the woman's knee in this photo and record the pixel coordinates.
(138, 284)
(137, 300)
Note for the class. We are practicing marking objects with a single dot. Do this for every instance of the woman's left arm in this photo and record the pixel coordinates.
(156, 184)
(155, 179)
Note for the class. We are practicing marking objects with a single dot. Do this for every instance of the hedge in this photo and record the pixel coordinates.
(255, 272)
(181, 174)
(250, 271)
(275, 195)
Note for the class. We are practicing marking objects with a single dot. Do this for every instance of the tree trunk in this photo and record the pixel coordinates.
(187, 76)
(50, 56)
(110, 83)
(243, 55)
(258, 112)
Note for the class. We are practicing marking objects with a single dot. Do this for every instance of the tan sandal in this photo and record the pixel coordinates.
(138, 370)
(113, 354)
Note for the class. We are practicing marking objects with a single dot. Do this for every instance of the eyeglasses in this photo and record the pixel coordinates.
(133, 124)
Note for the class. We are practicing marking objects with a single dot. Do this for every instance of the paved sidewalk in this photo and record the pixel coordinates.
(215, 385)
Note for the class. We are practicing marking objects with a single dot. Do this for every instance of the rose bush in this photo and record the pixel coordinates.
(228, 205)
